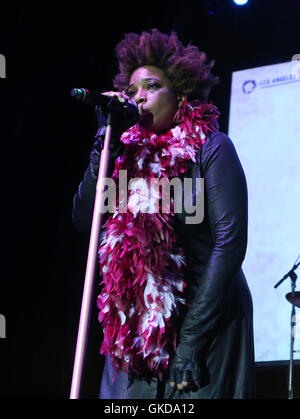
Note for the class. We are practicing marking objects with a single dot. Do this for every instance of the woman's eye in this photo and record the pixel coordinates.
(130, 93)
(153, 85)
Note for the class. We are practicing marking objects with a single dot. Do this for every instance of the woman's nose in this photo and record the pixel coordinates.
(140, 96)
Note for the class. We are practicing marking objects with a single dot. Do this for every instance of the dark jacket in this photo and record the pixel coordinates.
(219, 320)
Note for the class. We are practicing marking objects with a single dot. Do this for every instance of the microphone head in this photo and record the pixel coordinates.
(79, 94)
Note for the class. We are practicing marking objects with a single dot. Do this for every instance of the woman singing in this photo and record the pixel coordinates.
(175, 307)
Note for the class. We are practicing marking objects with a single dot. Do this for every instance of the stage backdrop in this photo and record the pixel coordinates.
(264, 125)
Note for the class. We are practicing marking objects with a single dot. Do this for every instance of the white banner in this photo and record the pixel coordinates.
(264, 125)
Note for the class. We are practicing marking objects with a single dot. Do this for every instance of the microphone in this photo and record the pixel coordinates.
(111, 104)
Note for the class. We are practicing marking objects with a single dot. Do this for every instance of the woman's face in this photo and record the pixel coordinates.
(155, 96)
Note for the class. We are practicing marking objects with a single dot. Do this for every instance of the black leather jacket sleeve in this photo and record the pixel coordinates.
(83, 201)
(226, 194)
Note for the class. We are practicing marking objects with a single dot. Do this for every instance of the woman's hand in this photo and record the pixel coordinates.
(185, 369)
(122, 119)
(120, 95)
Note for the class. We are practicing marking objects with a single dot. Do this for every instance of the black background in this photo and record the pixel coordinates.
(46, 138)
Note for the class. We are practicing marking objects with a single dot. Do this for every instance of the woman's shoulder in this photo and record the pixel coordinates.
(215, 141)
(218, 145)
(217, 137)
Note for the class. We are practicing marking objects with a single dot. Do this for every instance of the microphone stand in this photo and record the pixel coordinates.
(91, 260)
(293, 277)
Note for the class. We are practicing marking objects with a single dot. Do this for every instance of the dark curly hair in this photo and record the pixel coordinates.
(188, 69)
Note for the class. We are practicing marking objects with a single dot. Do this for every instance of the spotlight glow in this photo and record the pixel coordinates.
(240, 2)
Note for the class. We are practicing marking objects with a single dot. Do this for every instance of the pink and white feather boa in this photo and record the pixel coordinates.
(141, 263)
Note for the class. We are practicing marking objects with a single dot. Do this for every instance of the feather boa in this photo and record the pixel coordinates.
(141, 263)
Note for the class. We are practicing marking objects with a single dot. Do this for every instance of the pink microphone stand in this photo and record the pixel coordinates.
(90, 268)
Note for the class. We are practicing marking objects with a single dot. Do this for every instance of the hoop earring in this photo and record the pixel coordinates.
(182, 110)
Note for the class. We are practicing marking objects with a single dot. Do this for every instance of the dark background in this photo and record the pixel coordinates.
(46, 139)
